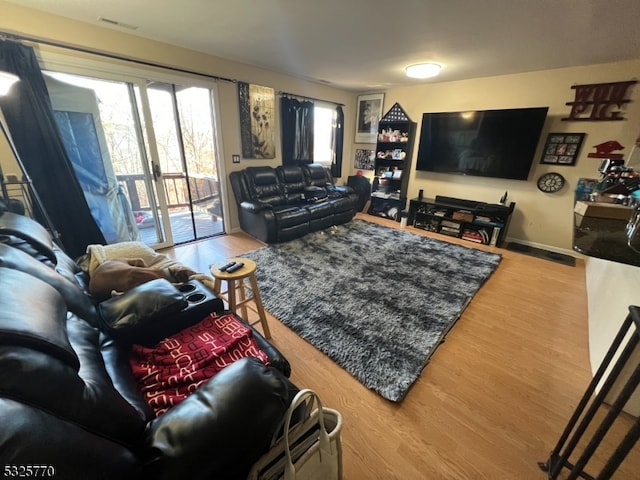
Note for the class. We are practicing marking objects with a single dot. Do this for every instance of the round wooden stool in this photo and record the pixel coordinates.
(237, 288)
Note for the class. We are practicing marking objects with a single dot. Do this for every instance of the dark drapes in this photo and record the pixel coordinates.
(296, 124)
(27, 110)
(337, 142)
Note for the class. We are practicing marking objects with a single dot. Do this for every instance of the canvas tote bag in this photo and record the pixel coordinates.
(310, 450)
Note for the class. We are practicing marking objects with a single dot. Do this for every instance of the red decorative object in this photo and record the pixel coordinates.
(595, 102)
(603, 150)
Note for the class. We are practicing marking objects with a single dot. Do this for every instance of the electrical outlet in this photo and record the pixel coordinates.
(235, 158)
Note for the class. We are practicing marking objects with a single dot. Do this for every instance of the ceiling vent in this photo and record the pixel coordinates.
(116, 23)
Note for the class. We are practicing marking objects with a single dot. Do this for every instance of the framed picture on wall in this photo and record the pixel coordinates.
(257, 113)
(368, 115)
(365, 159)
(562, 148)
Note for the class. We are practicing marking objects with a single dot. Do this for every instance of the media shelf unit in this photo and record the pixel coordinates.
(394, 149)
(478, 222)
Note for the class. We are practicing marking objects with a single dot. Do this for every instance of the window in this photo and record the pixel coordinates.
(122, 130)
(324, 118)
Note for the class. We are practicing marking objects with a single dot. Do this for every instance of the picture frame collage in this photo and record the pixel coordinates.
(365, 159)
(562, 148)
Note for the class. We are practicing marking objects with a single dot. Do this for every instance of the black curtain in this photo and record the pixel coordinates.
(27, 110)
(296, 124)
(337, 142)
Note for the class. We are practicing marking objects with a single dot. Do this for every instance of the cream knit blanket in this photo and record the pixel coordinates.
(99, 254)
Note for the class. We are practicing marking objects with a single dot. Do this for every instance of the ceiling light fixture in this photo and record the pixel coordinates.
(423, 70)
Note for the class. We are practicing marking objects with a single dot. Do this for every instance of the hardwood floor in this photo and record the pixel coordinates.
(495, 396)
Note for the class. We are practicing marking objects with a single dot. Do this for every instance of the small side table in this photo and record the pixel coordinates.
(239, 283)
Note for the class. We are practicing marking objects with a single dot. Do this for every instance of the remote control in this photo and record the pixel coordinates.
(235, 267)
(224, 268)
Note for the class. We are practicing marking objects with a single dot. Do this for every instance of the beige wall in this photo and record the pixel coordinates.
(540, 219)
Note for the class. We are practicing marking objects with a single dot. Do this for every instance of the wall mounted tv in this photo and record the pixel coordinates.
(488, 143)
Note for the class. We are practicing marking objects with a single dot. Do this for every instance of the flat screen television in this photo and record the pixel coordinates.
(487, 143)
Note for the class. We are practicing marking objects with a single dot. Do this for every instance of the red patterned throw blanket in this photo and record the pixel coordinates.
(174, 368)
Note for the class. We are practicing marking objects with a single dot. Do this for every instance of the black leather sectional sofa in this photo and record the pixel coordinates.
(286, 202)
(69, 405)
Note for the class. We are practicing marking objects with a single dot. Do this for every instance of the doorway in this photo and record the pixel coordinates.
(146, 156)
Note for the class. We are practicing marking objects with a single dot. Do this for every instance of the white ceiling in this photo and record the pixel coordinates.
(365, 45)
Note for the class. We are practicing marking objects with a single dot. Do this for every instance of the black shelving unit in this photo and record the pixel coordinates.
(478, 222)
(394, 149)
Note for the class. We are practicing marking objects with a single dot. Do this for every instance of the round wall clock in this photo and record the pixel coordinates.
(551, 182)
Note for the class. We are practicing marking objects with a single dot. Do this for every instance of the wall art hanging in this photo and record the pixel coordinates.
(599, 102)
(368, 116)
(257, 113)
(365, 159)
(606, 149)
(562, 148)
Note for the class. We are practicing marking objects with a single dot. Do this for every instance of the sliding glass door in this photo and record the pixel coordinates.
(145, 154)
(183, 124)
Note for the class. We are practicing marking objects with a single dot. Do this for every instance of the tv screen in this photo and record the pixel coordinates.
(488, 143)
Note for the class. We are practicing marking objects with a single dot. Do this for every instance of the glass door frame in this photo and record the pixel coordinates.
(152, 170)
(138, 77)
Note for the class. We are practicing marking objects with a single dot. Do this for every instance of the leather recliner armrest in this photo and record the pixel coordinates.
(276, 358)
(344, 189)
(255, 207)
(221, 429)
(261, 223)
(24, 232)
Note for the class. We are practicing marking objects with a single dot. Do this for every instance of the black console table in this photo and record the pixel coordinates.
(477, 222)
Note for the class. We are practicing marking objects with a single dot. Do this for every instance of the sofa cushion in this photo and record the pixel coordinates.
(26, 234)
(85, 397)
(320, 210)
(343, 204)
(291, 216)
(50, 359)
(75, 298)
(38, 323)
(293, 182)
(317, 175)
(264, 185)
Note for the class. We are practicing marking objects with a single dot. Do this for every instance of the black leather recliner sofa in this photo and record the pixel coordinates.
(286, 202)
(69, 405)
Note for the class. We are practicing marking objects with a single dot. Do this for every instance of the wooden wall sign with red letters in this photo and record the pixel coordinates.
(599, 102)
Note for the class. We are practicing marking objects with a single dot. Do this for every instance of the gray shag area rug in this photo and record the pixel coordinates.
(376, 300)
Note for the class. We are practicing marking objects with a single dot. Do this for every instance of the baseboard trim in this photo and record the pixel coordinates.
(571, 253)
